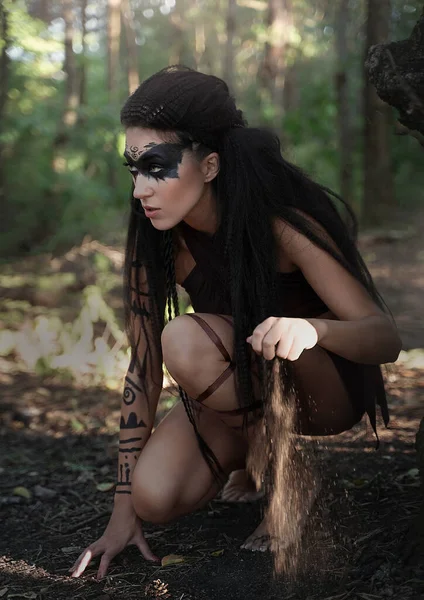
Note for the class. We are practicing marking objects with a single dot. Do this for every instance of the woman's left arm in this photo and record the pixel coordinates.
(363, 333)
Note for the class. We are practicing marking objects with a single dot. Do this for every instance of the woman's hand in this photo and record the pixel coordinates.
(283, 337)
(124, 529)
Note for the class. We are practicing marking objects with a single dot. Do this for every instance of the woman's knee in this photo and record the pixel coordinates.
(153, 504)
(183, 345)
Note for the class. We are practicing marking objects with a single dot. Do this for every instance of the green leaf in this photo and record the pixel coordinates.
(106, 486)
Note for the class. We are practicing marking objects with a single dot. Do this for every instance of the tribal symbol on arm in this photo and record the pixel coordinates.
(129, 393)
(132, 422)
(140, 310)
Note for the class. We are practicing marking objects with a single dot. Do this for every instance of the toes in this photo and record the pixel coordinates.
(259, 543)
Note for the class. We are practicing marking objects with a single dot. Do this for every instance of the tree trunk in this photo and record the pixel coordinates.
(273, 70)
(379, 199)
(132, 51)
(51, 214)
(113, 39)
(83, 59)
(40, 9)
(180, 51)
(72, 92)
(4, 78)
(229, 50)
(343, 108)
(199, 42)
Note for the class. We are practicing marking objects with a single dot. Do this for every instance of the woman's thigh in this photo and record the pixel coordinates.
(171, 477)
(325, 406)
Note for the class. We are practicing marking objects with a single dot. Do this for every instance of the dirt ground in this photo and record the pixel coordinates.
(362, 541)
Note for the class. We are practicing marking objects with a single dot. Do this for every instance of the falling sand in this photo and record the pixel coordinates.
(292, 483)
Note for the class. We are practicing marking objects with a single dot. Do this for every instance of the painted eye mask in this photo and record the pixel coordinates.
(158, 161)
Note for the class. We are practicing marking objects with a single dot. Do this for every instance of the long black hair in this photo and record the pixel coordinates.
(255, 185)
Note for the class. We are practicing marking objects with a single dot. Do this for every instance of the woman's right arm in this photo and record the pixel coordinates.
(142, 388)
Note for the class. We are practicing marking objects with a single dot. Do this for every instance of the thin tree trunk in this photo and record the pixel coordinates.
(343, 107)
(83, 60)
(273, 70)
(53, 206)
(132, 51)
(113, 39)
(71, 102)
(71, 99)
(199, 43)
(229, 50)
(180, 53)
(379, 199)
(4, 78)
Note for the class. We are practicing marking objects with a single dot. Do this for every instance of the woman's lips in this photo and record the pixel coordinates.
(151, 212)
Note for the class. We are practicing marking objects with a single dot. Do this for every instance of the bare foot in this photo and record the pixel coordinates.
(240, 488)
(259, 540)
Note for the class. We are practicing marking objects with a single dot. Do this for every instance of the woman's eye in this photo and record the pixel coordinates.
(155, 168)
(133, 170)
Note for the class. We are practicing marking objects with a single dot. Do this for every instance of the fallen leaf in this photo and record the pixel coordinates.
(29, 595)
(359, 482)
(172, 559)
(22, 491)
(413, 472)
(3, 591)
(76, 425)
(105, 486)
(217, 553)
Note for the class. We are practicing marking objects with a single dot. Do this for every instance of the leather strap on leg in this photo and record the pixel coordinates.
(218, 343)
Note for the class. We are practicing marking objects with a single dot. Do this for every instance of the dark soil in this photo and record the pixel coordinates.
(361, 543)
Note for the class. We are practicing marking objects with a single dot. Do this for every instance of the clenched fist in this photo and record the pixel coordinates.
(284, 337)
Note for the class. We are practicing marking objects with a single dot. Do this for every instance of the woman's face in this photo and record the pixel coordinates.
(168, 180)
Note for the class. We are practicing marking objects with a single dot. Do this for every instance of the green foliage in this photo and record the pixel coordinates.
(60, 190)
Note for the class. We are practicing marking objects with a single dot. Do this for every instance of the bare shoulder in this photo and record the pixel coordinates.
(293, 243)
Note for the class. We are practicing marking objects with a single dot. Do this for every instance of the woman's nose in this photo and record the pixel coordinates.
(142, 188)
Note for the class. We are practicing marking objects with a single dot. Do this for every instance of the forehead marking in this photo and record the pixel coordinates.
(135, 152)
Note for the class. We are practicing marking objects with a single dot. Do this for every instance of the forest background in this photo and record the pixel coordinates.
(295, 65)
(66, 67)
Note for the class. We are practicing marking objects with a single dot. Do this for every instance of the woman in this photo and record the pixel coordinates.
(286, 314)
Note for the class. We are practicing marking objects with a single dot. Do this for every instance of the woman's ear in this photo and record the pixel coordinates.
(210, 166)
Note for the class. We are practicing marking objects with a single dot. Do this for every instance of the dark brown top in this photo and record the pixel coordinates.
(209, 294)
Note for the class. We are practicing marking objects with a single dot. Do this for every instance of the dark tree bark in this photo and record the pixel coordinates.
(379, 200)
(132, 50)
(229, 50)
(72, 95)
(4, 78)
(41, 9)
(343, 107)
(397, 71)
(113, 40)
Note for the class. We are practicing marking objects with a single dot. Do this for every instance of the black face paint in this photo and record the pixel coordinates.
(160, 161)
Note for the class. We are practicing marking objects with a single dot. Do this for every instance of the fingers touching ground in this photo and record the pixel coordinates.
(98, 548)
(83, 560)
